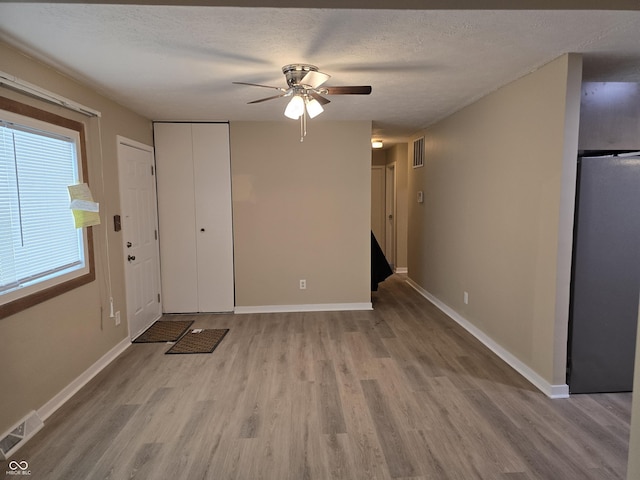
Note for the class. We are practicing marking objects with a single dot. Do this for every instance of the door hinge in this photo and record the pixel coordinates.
(151, 169)
(155, 234)
(158, 298)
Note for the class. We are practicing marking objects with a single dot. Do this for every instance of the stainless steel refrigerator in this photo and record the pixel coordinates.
(606, 275)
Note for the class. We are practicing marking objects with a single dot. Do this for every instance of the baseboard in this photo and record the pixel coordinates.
(318, 307)
(56, 402)
(402, 270)
(551, 391)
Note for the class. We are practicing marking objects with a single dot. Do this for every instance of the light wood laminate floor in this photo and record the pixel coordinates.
(398, 392)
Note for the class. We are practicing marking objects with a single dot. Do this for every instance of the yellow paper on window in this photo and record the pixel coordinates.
(85, 210)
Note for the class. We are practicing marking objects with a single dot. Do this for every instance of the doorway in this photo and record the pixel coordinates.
(378, 205)
(139, 234)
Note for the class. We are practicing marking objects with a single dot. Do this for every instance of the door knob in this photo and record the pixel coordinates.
(130, 257)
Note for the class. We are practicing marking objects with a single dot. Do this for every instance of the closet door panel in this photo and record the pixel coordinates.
(214, 236)
(176, 217)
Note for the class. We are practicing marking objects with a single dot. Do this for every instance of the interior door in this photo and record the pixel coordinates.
(174, 160)
(213, 213)
(139, 234)
(390, 215)
(606, 278)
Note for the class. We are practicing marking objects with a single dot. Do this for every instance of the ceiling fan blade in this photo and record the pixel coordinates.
(361, 90)
(258, 85)
(268, 98)
(321, 100)
(314, 79)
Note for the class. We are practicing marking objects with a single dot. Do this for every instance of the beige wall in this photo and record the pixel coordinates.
(496, 222)
(51, 344)
(301, 210)
(378, 157)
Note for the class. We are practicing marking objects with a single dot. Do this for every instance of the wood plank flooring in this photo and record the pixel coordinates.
(401, 392)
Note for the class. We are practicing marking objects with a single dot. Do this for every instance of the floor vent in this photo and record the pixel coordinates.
(16, 437)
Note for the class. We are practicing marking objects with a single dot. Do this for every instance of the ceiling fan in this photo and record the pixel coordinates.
(306, 92)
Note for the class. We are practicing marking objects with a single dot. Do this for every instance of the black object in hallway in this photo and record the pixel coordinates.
(380, 268)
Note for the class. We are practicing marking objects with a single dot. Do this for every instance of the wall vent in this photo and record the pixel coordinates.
(17, 436)
(418, 153)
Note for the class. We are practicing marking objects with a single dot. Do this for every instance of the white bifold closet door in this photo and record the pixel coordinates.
(193, 171)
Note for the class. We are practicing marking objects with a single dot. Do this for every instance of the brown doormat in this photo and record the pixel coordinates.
(164, 331)
(199, 341)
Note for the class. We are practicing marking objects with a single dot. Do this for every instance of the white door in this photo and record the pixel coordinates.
(390, 210)
(175, 177)
(139, 234)
(214, 233)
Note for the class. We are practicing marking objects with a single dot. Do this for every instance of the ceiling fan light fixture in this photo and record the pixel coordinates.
(313, 107)
(307, 100)
(376, 144)
(295, 108)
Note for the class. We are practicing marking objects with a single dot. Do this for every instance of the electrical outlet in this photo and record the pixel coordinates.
(303, 284)
(117, 318)
(466, 298)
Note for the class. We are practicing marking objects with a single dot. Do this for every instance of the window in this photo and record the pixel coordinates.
(42, 254)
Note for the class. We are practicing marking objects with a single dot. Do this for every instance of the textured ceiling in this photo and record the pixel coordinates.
(178, 62)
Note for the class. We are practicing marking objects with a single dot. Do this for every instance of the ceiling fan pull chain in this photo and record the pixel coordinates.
(304, 122)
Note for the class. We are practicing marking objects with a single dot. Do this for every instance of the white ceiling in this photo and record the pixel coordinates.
(178, 62)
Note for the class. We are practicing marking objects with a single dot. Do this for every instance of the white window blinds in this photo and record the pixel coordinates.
(38, 240)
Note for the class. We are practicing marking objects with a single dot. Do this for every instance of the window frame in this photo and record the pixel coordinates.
(48, 292)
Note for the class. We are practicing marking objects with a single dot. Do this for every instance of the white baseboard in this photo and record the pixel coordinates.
(318, 307)
(551, 391)
(56, 402)
(402, 270)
